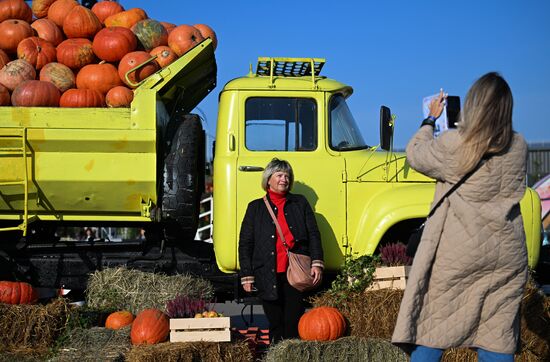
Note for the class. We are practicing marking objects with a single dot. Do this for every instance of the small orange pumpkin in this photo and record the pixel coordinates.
(40, 7)
(75, 53)
(16, 72)
(59, 75)
(119, 96)
(208, 32)
(59, 10)
(80, 98)
(35, 93)
(38, 52)
(114, 42)
(322, 324)
(17, 293)
(126, 18)
(104, 9)
(15, 9)
(150, 327)
(132, 60)
(81, 22)
(101, 77)
(12, 31)
(183, 38)
(47, 30)
(120, 319)
(165, 55)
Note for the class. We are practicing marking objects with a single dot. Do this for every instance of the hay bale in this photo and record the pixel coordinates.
(343, 349)
(191, 352)
(134, 290)
(32, 327)
(94, 344)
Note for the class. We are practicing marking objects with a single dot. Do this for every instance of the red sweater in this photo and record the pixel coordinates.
(279, 201)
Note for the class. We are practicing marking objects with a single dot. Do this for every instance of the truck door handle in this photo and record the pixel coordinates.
(251, 168)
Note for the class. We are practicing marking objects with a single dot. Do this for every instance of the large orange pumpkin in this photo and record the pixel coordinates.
(150, 327)
(126, 18)
(183, 38)
(4, 58)
(38, 52)
(321, 324)
(47, 30)
(208, 32)
(35, 93)
(119, 97)
(79, 98)
(114, 42)
(59, 10)
(5, 98)
(120, 319)
(150, 34)
(132, 60)
(15, 9)
(101, 77)
(40, 7)
(16, 72)
(17, 293)
(165, 55)
(104, 9)
(59, 75)
(75, 53)
(12, 31)
(81, 22)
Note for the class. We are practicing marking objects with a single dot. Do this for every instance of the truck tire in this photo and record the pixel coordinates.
(182, 187)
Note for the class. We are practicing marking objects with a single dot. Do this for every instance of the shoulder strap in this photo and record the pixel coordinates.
(279, 230)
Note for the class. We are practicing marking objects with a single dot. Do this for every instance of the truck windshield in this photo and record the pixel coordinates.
(344, 133)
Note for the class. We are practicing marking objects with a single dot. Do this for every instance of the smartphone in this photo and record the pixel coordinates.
(453, 109)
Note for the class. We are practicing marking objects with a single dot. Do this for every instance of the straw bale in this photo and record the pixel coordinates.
(191, 352)
(344, 349)
(32, 327)
(134, 290)
(94, 344)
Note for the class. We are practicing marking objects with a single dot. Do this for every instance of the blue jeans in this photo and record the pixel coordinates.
(428, 354)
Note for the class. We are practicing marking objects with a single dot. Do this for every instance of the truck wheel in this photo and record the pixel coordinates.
(182, 177)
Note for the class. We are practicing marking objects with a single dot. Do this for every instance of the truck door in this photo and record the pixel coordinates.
(291, 128)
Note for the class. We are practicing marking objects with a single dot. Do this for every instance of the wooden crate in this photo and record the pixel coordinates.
(200, 329)
(390, 277)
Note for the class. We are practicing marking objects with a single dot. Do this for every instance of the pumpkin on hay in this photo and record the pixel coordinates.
(150, 327)
(322, 324)
(119, 319)
(17, 293)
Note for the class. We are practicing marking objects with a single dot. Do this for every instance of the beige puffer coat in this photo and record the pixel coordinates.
(469, 272)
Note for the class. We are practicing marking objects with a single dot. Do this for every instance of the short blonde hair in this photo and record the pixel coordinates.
(276, 165)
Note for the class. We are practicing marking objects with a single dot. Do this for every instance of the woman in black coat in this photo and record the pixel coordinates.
(263, 257)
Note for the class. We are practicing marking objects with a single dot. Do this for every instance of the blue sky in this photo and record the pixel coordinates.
(391, 52)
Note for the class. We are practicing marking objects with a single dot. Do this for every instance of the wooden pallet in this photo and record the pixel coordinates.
(200, 329)
(390, 277)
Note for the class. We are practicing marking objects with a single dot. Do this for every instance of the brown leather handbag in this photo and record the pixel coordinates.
(299, 266)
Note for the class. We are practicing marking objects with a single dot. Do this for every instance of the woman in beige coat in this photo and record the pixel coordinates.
(470, 268)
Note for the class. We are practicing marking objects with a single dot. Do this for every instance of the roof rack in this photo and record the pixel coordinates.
(289, 67)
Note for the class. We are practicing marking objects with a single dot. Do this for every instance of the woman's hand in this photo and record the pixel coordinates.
(317, 274)
(437, 104)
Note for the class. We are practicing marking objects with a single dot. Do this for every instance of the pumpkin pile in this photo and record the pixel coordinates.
(60, 53)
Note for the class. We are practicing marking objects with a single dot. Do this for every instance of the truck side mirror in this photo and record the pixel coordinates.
(386, 128)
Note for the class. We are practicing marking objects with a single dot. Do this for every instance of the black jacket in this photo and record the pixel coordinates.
(257, 253)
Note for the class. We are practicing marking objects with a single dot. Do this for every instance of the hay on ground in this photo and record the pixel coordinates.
(191, 352)
(134, 290)
(343, 349)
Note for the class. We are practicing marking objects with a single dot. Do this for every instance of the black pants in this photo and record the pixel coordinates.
(284, 313)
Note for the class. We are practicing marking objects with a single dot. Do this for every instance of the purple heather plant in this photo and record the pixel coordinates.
(394, 254)
(184, 307)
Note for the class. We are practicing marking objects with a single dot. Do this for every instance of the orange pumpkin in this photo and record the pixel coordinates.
(75, 53)
(81, 22)
(150, 327)
(104, 9)
(16, 72)
(120, 319)
(79, 98)
(183, 38)
(47, 30)
(5, 98)
(150, 34)
(101, 77)
(38, 52)
(322, 324)
(165, 55)
(126, 18)
(4, 58)
(119, 97)
(17, 293)
(15, 9)
(59, 75)
(59, 10)
(208, 32)
(35, 93)
(114, 42)
(12, 31)
(40, 7)
(132, 60)
(168, 26)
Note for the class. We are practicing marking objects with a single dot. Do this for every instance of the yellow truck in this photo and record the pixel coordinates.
(144, 166)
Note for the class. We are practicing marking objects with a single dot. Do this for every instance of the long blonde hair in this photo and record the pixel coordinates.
(486, 120)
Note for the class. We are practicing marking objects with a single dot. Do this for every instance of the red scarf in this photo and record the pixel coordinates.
(279, 201)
